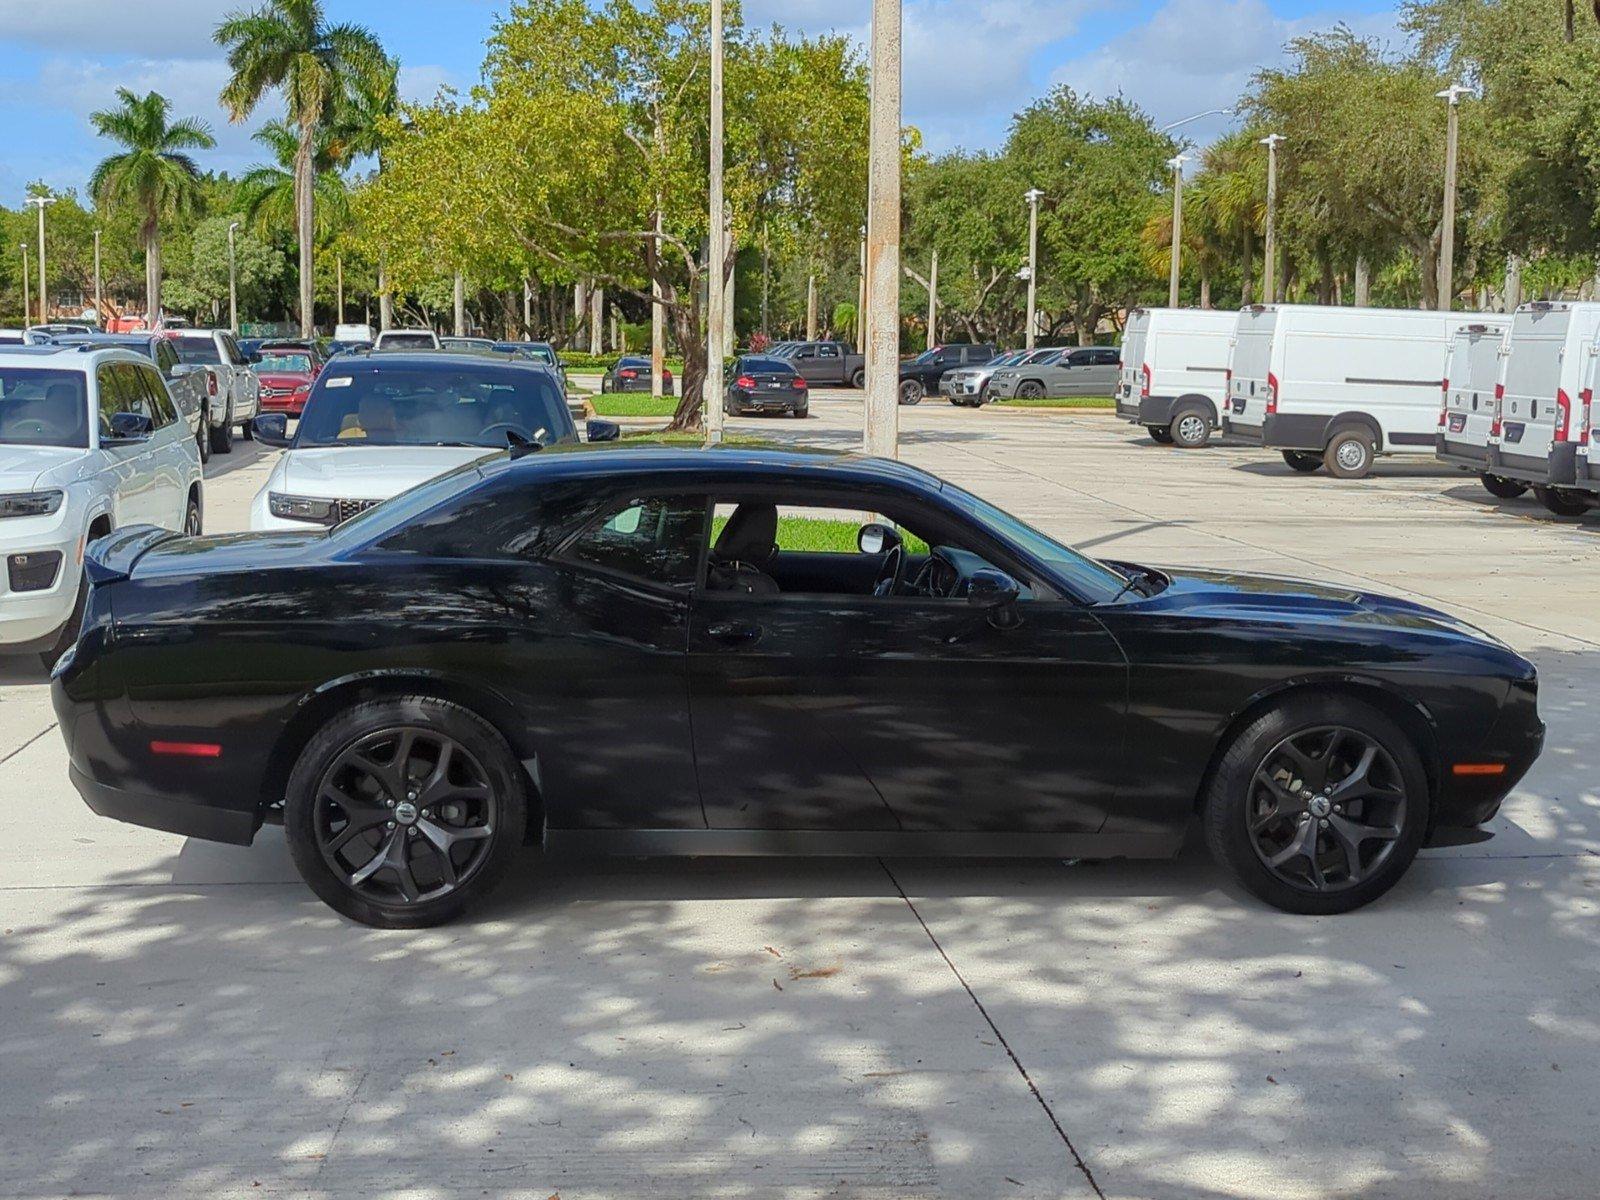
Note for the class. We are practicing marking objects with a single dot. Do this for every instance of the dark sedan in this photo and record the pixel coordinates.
(654, 651)
(632, 374)
(762, 384)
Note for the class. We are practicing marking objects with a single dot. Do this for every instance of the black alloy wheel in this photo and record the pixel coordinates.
(1032, 390)
(1501, 487)
(910, 391)
(402, 812)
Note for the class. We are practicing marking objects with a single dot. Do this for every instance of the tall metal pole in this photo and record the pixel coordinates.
(338, 287)
(527, 307)
(1447, 239)
(811, 307)
(1032, 197)
(99, 317)
(1176, 163)
(233, 283)
(27, 287)
(882, 433)
(766, 283)
(861, 293)
(716, 218)
(933, 300)
(39, 202)
(1269, 293)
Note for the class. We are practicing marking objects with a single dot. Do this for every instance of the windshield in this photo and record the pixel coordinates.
(43, 408)
(196, 350)
(1093, 581)
(391, 341)
(771, 366)
(536, 353)
(1008, 359)
(470, 405)
(279, 360)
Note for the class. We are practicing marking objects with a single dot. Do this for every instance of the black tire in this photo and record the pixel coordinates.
(1247, 791)
(983, 396)
(910, 391)
(69, 632)
(1160, 434)
(1031, 390)
(1300, 460)
(310, 812)
(1191, 428)
(1350, 454)
(247, 430)
(193, 519)
(799, 413)
(1564, 502)
(203, 436)
(858, 378)
(1501, 487)
(222, 435)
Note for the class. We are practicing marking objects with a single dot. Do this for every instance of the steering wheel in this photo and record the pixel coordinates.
(498, 431)
(888, 581)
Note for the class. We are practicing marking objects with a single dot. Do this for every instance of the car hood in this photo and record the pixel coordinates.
(285, 379)
(366, 472)
(22, 466)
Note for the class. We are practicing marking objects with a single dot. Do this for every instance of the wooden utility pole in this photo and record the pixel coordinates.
(1032, 197)
(881, 277)
(99, 310)
(933, 300)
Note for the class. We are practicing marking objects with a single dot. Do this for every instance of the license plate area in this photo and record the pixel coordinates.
(1458, 422)
(1513, 431)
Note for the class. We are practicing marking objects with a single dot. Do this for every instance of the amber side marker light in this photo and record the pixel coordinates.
(1478, 769)
(187, 749)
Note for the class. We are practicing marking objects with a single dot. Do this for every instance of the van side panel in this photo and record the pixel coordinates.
(1187, 354)
(1549, 358)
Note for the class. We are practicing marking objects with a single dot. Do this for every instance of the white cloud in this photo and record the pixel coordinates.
(420, 84)
(160, 28)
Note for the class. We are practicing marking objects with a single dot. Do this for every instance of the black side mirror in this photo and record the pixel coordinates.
(131, 427)
(253, 357)
(877, 538)
(272, 429)
(989, 588)
(603, 431)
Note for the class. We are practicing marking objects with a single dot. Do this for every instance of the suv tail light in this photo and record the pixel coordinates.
(1563, 414)
(1272, 392)
(1144, 381)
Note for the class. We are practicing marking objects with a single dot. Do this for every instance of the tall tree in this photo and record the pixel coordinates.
(268, 191)
(154, 174)
(290, 46)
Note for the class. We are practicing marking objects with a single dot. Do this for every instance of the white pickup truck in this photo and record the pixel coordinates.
(233, 390)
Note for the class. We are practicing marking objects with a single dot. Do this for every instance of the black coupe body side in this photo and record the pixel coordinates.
(626, 650)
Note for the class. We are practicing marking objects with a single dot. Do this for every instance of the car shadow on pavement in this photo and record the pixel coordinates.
(1381, 469)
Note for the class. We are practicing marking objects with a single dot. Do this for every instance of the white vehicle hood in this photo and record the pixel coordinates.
(366, 472)
(22, 466)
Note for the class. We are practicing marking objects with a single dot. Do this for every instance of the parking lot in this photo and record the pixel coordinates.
(185, 1019)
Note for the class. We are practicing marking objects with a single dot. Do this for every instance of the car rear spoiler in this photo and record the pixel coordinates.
(113, 557)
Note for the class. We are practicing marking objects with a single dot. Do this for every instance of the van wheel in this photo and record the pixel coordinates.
(1564, 502)
(1160, 433)
(858, 378)
(222, 435)
(910, 392)
(1191, 429)
(1299, 460)
(1499, 485)
(1349, 454)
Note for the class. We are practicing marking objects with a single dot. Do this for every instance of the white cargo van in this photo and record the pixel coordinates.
(1472, 370)
(1175, 372)
(1249, 369)
(1344, 385)
(1586, 470)
(1536, 432)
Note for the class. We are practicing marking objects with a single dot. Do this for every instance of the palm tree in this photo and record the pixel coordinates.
(153, 175)
(267, 191)
(289, 45)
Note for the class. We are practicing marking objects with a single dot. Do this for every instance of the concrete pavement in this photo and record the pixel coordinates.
(183, 1019)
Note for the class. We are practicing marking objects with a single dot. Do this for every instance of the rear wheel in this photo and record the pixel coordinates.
(858, 378)
(222, 435)
(400, 813)
(247, 430)
(1564, 502)
(1318, 806)
(203, 436)
(1160, 433)
(1499, 485)
(191, 516)
(1299, 460)
(1350, 454)
(1191, 429)
(910, 391)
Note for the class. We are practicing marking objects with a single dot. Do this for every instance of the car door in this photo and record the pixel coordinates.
(807, 362)
(843, 711)
(246, 388)
(138, 498)
(172, 452)
(187, 389)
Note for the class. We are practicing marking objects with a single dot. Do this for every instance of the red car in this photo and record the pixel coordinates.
(286, 371)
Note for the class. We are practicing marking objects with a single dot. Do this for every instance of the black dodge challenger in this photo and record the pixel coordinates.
(653, 651)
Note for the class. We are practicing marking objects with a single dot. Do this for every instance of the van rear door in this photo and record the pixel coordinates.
(1135, 336)
(1250, 363)
(1532, 380)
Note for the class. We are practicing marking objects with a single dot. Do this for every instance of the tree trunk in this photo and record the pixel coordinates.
(304, 227)
(685, 322)
(1205, 289)
(1247, 267)
(152, 273)
(385, 301)
(1363, 285)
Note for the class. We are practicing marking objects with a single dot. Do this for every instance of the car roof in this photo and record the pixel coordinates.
(430, 360)
(79, 356)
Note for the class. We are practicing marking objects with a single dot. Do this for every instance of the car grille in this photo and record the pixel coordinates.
(349, 508)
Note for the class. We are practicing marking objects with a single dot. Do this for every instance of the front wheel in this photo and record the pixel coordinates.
(222, 435)
(247, 430)
(1299, 460)
(191, 517)
(1350, 454)
(1564, 502)
(910, 392)
(69, 632)
(1161, 434)
(203, 436)
(402, 812)
(1501, 487)
(1191, 429)
(1318, 806)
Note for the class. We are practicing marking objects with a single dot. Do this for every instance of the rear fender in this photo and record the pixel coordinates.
(114, 556)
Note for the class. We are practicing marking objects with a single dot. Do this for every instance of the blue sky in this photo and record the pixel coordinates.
(969, 63)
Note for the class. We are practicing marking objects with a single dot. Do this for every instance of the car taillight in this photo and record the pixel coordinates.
(1444, 401)
(211, 384)
(627, 373)
(799, 382)
(744, 381)
(1499, 398)
(1586, 397)
(1272, 392)
(1144, 381)
(666, 375)
(1563, 414)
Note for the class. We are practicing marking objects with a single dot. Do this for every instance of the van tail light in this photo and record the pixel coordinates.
(1144, 381)
(1586, 398)
(1272, 392)
(745, 382)
(1444, 402)
(1563, 414)
(1227, 382)
(1499, 399)
(211, 384)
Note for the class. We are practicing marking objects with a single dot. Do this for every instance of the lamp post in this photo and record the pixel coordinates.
(882, 283)
(1269, 285)
(1447, 240)
(233, 282)
(933, 300)
(99, 312)
(715, 226)
(1176, 163)
(39, 202)
(27, 287)
(861, 294)
(1032, 197)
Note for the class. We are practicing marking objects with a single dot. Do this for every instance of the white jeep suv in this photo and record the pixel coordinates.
(90, 440)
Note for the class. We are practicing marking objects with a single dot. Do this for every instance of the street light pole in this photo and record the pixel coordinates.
(99, 312)
(1269, 294)
(1447, 240)
(233, 283)
(933, 300)
(861, 292)
(39, 202)
(1032, 197)
(716, 225)
(1176, 163)
(27, 287)
(882, 284)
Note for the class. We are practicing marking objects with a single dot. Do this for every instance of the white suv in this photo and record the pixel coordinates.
(90, 440)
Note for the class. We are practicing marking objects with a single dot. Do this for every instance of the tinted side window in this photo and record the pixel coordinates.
(656, 540)
(162, 410)
(130, 391)
(828, 351)
(105, 380)
(166, 358)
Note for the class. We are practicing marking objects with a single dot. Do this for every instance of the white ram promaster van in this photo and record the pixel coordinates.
(1175, 372)
(1344, 385)
(1538, 426)
(1472, 369)
(1249, 370)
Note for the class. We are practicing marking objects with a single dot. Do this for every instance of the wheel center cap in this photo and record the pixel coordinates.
(405, 812)
(1320, 807)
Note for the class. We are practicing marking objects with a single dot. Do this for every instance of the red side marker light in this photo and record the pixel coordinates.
(1478, 769)
(187, 749)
